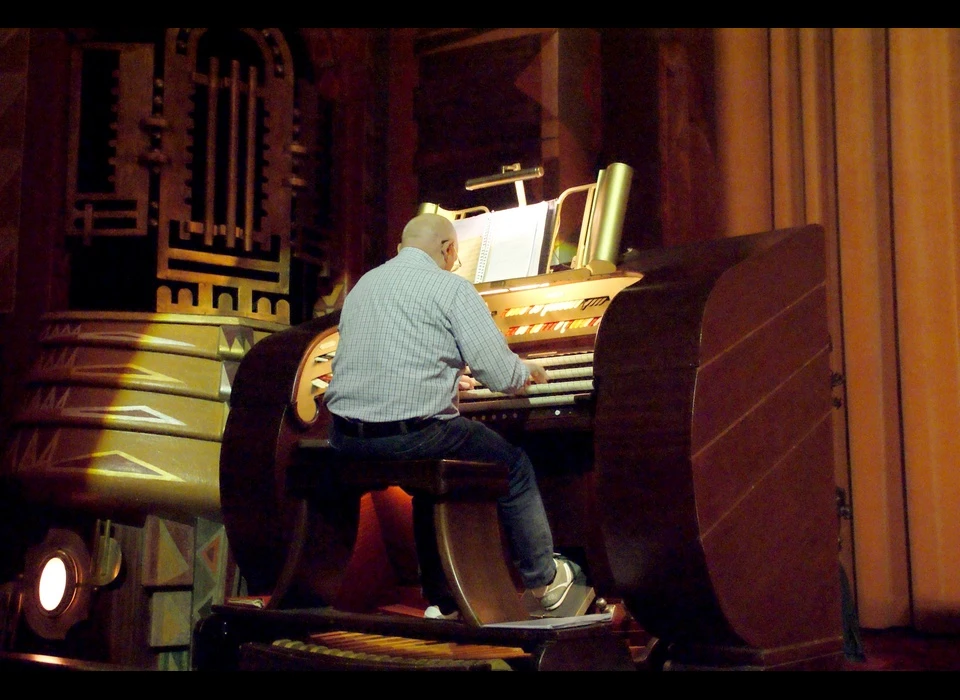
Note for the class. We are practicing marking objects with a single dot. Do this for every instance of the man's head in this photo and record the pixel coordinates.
(434, 235)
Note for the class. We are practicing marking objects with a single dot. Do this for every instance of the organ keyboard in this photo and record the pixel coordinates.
(553, 319)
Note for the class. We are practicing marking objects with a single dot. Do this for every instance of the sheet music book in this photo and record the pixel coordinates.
(556, 623)
(501, 245)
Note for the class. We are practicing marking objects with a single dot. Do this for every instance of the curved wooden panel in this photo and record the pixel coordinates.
(283, 545)
(714, 449)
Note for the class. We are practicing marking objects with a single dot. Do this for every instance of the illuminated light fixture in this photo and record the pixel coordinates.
(57, 584)
(508, 173)
(57, 591)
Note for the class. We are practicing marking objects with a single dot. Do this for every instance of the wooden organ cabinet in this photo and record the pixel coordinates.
(683, 444)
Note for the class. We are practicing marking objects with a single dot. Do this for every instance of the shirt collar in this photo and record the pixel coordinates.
(416, 252)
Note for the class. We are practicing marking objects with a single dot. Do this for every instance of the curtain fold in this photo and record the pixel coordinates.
(924, 117)
(857, 130)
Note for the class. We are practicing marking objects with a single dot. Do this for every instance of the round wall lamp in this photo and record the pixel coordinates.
(56, 584)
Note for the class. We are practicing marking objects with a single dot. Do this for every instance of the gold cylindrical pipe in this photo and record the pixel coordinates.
(431, 208)
(211, 168)
(251, 164)
(233, 153)
(610, 206)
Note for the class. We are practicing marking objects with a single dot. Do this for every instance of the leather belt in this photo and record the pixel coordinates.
(360, 429)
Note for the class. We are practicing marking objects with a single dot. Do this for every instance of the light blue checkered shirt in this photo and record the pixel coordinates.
(407, 329)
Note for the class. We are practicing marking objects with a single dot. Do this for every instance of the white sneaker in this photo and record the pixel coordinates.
(433, 613)
(551, 596)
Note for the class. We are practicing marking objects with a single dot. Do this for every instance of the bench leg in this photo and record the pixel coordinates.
(468, 533)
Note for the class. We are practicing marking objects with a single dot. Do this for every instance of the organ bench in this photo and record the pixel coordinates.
(465, 515)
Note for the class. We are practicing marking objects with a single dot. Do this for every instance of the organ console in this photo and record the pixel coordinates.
(683, 443)
(553, 319)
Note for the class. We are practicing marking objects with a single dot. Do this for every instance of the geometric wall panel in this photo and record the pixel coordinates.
(174, 660)
(170, 622)
(168, 553)
(210, 567)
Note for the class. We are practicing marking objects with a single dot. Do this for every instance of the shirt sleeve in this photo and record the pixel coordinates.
(483, 346)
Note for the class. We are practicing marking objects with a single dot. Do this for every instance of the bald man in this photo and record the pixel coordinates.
(408, 330)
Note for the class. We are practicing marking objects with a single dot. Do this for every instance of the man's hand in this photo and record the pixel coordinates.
(466, 383)
(538, 375)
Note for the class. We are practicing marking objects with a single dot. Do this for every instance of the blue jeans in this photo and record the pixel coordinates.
(521, 511)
